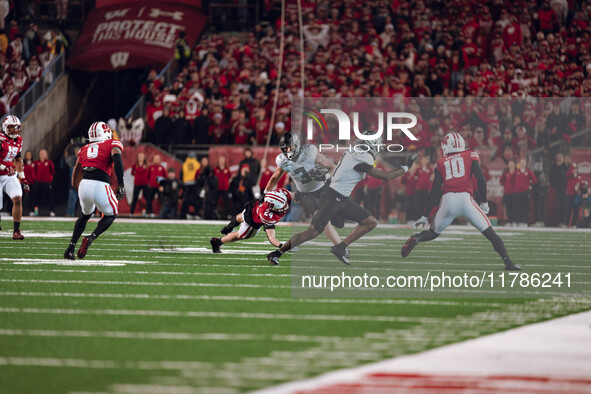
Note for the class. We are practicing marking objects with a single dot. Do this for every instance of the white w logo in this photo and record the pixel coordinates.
(116, 14)
(119, 59)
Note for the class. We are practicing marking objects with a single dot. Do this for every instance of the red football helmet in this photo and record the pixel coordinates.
(11, 126)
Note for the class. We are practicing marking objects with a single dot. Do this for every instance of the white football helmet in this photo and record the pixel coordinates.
(11, 126)
(373, 146)
(278, 200)
(99, 131)
(453, 143)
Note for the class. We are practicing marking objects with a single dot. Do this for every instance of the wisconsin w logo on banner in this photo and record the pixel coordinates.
(119, 59)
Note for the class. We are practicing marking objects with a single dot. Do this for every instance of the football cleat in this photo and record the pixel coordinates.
(342, 252)
(226, 230)
(215, 245)
(409, 245)
(83, 247)
(273, 257)
(511, 266)
(69, 253)
(17, 235)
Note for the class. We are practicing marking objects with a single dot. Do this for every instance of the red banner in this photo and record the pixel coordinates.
(134, 35)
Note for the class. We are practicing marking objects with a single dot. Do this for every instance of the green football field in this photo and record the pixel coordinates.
(151, 310)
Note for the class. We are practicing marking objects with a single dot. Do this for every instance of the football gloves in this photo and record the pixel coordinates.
(422, 222)
(411, 160)
(9, 169)
(26, 185)
(120, 192)
(318, 173)
(484, 207)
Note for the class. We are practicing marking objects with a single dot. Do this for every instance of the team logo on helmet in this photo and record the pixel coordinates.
(99, 131)
(278, 200)
(11, 126)
(453, 143)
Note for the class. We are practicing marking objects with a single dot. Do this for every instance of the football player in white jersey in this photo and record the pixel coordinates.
(335, 200)
(309, 170)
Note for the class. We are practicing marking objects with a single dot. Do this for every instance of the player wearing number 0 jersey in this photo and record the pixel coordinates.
(12, 169)
(262, 212)
(309, 171)
(453, 191)
(94, 166)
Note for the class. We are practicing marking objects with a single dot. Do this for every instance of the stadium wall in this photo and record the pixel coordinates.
(44, 126)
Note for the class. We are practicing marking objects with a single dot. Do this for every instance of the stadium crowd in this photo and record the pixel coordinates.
(24, 54)
(225, 90)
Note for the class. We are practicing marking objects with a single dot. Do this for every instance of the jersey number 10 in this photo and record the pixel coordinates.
(454, 168)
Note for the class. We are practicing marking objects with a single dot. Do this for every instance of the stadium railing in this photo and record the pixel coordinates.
(39, 88)
(139, 108)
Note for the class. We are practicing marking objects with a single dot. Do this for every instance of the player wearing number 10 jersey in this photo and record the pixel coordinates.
(94, 165)
(453, 190)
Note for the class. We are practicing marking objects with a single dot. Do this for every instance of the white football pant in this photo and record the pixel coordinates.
(11, 186)
(96, 194)
(454, 205)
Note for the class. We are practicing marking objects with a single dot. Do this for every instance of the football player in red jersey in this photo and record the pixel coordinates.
(94, 165)
(12, 169)
(453, 191)
(262, 212)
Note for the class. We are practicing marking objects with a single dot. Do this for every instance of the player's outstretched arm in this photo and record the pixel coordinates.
(271, 236)
(481, 180)
(274, 180)
(435, 195)
(393, 174)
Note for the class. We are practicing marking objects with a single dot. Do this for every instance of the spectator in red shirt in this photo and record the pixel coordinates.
(44, 171)
(423, 183)
(156, 173)
(29, 169)
(410, 182)
(508, 182)
(223, 174)
(218, 132)
(139, 170)
(573, 181)
(547, 18)
(523, 142)
(523, 181)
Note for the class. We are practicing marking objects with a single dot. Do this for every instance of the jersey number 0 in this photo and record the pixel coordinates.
(454, 168)
(93, 150)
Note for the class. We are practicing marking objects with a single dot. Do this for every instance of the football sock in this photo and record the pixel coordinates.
(79, 228)
(497, 242)
(101, 227)
(17, 226)
(427, 235)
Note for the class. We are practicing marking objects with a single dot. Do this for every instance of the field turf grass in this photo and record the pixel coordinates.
(154, 311)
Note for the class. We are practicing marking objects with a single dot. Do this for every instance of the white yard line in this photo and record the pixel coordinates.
(287, 224)
(552, 356)
(177, 336)
(250, 299)
(119, 283)
(222, 315)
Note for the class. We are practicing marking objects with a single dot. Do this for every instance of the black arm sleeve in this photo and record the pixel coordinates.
(118, 168)
(477, 172)
(363, 167)
(435, 194)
